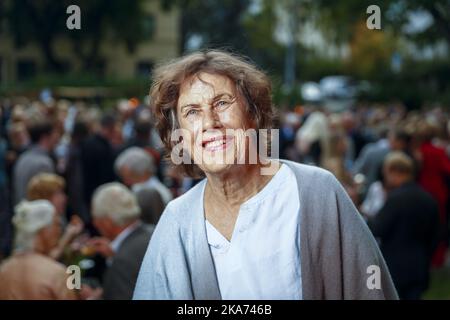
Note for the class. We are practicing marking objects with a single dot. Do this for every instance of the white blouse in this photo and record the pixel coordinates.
(262, 260)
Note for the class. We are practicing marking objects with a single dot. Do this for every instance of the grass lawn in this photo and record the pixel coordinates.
(440, 285)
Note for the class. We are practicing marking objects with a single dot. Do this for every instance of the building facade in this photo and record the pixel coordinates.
(21, 64)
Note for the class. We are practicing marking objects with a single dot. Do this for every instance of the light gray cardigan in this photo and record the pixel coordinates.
(336, 247)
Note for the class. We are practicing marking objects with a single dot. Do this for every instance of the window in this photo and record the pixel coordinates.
(144, 68)
(26, 69)
(98, 68)
(66, 65)
(2, 18)
(149, 26)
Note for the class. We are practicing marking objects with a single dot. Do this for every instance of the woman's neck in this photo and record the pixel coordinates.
(237, 185)
(40, 246)
(225, 193)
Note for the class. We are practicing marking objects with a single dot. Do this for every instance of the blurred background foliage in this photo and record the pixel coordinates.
(293, 40)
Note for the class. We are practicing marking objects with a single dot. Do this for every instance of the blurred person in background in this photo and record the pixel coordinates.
(18, 142)
(399, 140)
(97, 157)
(374, 199)
(335, 163)
(5, 231)
(127, 110)
(348, 125)
(361, 133)
(74, 172)
(290, 123)
(49, 186)
(30, 273)
(137, 170)
(407, 227)
(434, 168)
(36, 159)
(151, 204)
(370, 160)
(142, 138)
(124, 239)
(18, 114)
(313, 139)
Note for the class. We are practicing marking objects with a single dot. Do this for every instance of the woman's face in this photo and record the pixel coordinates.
(59, 201)
(209, 113)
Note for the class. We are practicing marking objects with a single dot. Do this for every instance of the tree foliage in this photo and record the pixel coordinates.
(338, 18)
(43, 22)
(218, 23)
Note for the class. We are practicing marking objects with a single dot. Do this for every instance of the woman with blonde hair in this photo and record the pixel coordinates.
(49, 186)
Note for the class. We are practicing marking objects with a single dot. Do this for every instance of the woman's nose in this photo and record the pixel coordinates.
(210, 119)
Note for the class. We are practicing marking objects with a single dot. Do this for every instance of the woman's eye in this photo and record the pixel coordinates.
(191, 112)
(222, 103)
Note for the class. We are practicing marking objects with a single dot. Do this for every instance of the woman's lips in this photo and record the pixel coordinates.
(217, 143)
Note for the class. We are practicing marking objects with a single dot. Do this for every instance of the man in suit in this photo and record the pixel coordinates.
(124, 238)
(407, 227)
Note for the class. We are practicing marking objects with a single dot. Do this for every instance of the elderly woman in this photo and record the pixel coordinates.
(30, 273)
(265, 229)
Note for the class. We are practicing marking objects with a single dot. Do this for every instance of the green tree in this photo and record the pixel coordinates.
(338, 18)
(42, 22)
(218, 23)
(370, 51)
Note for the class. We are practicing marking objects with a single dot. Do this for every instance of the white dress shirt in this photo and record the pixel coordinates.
(262, 260)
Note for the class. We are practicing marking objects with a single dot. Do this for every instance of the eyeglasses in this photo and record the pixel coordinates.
(192, 112)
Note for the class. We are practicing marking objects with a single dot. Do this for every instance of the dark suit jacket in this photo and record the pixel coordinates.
(97, 160)
(408, 227)
(120, 278)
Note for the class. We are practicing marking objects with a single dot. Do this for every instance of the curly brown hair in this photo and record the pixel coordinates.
(252, 85)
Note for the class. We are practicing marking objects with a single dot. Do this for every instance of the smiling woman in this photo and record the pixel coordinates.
(199, 89)
(244, 232)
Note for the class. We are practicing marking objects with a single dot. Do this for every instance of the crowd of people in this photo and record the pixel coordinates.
(395, 166)
(79, 185)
